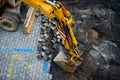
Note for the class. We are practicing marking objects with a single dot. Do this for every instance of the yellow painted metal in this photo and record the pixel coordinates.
(63, 20)
(61, 60)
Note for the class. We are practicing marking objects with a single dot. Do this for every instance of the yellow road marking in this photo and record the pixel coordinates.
(13, 58)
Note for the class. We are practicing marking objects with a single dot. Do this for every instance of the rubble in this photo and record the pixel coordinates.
(39, 39)
(50, 57)
(45, 38)
(44, 47)
(104, 52)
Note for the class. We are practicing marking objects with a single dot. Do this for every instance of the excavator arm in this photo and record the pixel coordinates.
(64, 23)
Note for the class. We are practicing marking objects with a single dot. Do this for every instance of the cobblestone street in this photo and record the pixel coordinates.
(18, 55)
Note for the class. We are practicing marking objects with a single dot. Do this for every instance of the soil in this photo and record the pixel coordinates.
(98, 34)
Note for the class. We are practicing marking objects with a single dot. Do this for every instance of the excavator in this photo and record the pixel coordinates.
(64, 23)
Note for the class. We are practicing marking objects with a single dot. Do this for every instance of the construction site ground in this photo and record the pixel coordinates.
(97, 31)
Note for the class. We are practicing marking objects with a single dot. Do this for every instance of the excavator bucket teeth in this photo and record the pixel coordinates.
(61, 60)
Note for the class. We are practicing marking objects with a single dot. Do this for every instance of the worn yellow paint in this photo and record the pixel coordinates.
(13, 58)
(9, 73)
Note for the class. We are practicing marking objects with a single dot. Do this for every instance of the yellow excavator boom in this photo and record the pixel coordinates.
(64, 23)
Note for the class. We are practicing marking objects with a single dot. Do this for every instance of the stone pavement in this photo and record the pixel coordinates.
(18, 55)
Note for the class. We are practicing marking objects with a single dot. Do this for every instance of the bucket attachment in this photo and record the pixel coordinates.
(62, 60)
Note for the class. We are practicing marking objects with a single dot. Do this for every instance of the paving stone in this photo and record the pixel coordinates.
(25, 65)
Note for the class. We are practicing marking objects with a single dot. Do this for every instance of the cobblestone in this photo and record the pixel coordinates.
(25, 65)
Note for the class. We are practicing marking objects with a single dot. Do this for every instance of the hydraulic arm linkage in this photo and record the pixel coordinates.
(64, 24)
